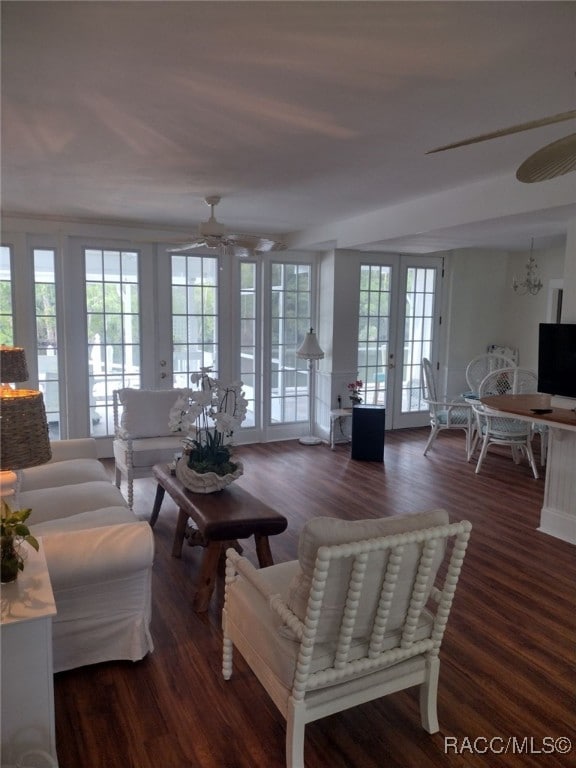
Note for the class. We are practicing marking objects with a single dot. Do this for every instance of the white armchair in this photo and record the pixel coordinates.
(360, 614)
(142, 437)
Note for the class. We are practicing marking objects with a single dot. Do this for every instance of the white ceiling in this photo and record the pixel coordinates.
(311, 119)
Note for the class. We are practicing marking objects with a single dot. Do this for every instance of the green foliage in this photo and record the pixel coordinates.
(14, 530)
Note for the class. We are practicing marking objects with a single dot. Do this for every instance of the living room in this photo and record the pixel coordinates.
(312, 121)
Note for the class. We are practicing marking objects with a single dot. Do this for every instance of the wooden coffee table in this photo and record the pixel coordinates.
(221, 518)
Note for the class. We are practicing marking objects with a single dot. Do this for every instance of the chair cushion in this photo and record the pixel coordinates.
(149, 450)
(326, 531)
(275, 648)
(145, 411)
(457, 416)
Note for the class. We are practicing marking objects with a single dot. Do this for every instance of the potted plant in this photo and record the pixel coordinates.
(208, 415)
(14, 531)
(355, 387)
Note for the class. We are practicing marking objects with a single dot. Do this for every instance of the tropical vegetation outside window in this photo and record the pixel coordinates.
(47, 335)
(291, 316)
(194, 316)
(113, 324)
(6, 312)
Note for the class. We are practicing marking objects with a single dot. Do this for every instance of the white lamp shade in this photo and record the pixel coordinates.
(310, 349)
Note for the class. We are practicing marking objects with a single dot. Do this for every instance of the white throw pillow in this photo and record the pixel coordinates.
(146, 411)
(327, 531)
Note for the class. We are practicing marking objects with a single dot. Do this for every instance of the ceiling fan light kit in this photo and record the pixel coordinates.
(213, 234)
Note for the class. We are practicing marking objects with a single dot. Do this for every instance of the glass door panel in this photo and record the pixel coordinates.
(398, 319)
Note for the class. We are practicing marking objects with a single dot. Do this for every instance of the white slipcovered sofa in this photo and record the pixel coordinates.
(99, 557)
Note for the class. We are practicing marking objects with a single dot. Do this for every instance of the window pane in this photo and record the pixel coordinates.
(420, 290)
(112, 307)
(291, 319)
(248, 331)
(46, 336)
(6, 315)
(194, 316)
(373, 331)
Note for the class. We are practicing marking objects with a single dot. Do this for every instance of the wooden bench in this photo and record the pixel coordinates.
(221, 519)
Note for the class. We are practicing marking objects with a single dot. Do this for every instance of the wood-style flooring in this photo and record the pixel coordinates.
(507, 679)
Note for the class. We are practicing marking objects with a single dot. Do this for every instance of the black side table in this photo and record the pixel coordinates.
(368, 425)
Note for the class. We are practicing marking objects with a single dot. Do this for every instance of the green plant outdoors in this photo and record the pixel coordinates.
(13, 531)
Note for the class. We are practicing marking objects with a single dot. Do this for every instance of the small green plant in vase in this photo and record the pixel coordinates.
(13, 532)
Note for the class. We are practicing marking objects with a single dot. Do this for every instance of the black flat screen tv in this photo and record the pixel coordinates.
(557, 359)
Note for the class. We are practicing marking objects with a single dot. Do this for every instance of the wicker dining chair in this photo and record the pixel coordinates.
(444, 414)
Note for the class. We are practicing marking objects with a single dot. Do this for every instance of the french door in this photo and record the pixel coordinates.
(399, 320)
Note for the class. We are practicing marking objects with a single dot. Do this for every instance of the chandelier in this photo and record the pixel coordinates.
(532, 282)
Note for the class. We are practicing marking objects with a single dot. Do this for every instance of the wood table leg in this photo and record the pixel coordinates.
(263, 550)
(207, 577)
(179, 533)
(160, 491)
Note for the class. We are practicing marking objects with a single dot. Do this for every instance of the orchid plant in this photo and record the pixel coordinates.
(354, 388)
(209, 415)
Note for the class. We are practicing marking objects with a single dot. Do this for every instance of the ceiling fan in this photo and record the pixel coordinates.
(550, 161)
(213, 234)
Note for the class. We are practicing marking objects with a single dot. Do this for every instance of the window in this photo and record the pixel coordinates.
(194, 316)
(374, 330)
(47, 336)
(113, 323)
(418, 333)
(291, 315)
(249, 362)
(6, 313)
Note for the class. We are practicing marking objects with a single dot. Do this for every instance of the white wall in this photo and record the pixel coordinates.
(477, 290)
(483, 308)
(523, 314)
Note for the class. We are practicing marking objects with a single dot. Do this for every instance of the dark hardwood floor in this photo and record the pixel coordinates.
(507, 671)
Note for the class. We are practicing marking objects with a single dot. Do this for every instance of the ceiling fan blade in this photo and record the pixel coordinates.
(256, 243)
(507, 131)
(186, 247)
(553, 160)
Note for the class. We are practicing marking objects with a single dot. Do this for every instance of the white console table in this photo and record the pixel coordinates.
(558, 514)
(338, 416)
(27, 720)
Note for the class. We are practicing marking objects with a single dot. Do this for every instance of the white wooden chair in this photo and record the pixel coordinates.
(500, 430)
(361, 614)
(142, 437)
(445, 414)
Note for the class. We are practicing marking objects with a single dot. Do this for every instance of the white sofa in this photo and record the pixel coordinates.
(99, 557)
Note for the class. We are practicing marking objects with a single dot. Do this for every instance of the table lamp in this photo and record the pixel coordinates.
(310, 350)
(24, 439)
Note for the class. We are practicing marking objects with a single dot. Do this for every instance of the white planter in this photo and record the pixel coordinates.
(205, 482)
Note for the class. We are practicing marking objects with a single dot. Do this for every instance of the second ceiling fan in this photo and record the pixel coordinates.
(550, 161)
(213, 234)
